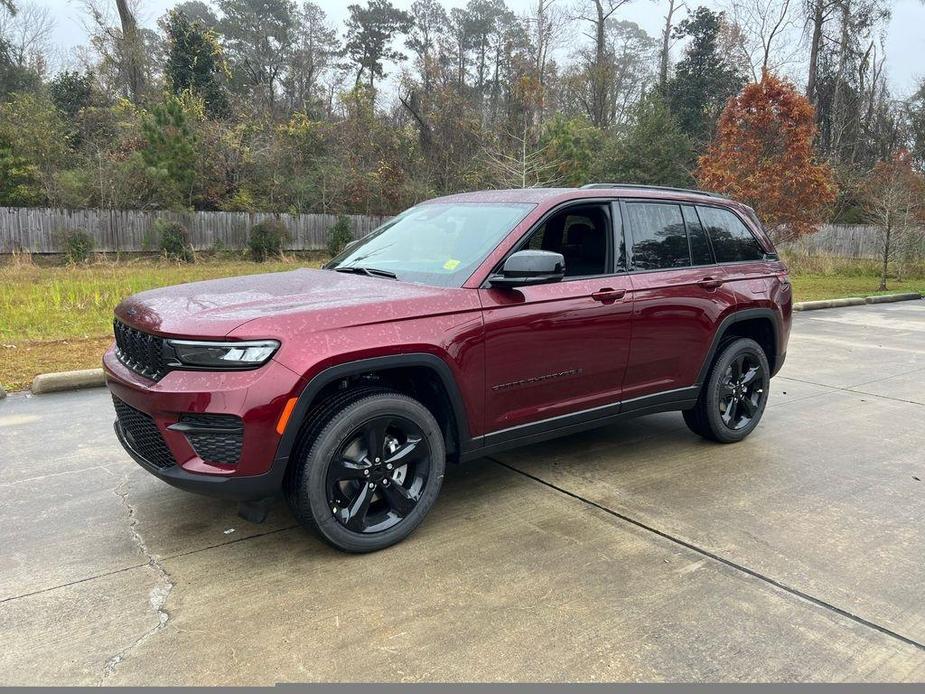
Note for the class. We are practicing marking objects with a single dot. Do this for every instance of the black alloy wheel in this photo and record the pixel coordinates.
(741, 391)
(367, 469)
(734, 398)
(377, 477)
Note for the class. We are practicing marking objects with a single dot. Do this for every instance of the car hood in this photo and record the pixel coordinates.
(215, 308)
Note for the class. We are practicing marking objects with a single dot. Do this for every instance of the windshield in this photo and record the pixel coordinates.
(439, 243)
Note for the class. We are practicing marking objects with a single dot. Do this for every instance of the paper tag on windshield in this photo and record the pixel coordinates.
(451, 264)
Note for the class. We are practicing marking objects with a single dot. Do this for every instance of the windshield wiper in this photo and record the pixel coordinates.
(369, 271)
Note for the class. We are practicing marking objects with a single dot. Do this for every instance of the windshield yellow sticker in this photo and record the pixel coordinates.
(451, 264)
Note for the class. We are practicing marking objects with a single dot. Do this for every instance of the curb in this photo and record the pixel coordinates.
(855, 301)
(890, 298)
(67, 380)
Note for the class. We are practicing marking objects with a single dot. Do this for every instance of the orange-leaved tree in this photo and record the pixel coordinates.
(763, 155)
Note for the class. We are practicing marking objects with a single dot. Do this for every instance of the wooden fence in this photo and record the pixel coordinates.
(37, 230)
(853, 241)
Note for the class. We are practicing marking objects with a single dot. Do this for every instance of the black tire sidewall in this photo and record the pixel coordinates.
(718, 428)
(313, 482)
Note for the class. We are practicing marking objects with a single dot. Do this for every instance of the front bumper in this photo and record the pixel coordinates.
(257, 397)
(250, 488)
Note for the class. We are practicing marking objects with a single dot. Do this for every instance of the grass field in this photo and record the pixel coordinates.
(60, 318)
(57, 318)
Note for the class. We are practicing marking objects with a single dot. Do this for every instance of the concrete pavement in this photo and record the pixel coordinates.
(636, 552)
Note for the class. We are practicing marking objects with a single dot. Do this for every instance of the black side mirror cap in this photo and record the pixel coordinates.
(525, 268)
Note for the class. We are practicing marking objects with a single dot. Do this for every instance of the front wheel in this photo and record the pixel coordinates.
(371, 474)
(734, 397)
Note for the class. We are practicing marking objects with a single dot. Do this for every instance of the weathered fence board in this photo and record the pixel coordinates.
(37, 230)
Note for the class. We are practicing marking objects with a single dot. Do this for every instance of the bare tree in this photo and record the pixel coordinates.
(548, 23)
(765, 26)
(894, 199)
(851, 97)
(26, 35)
(524, 166)
(600, 67)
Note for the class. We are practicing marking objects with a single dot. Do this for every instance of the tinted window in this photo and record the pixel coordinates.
(731, 239)
(620, 236)
(700, 246)
(581, 235)
(659, 238)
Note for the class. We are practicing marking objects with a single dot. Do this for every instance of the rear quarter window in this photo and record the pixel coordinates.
(732, 240)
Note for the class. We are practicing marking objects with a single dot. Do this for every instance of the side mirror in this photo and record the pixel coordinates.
(524, 268)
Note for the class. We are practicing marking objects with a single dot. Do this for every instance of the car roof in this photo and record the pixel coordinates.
(554, 196)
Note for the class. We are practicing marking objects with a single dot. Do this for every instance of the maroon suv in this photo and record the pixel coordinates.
(463, 326)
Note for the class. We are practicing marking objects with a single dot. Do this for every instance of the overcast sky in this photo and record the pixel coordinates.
(905, 37)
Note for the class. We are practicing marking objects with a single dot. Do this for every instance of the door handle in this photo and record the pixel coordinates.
(608, 295)
(710, 283)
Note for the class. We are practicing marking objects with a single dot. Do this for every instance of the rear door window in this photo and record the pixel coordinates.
(731, 239)
(659, 236)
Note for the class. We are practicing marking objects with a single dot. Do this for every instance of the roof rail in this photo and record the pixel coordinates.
(640, 186)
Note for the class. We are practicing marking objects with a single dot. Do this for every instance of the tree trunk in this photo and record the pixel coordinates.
(886, 257)
(663, 56)
(814, 47)
(131, 52)
(598, 72)
(461, 66)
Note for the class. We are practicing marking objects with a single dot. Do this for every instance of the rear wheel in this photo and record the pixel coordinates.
(733, 399)
(371, 473)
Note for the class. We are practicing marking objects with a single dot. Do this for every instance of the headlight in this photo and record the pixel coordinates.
(223, 355)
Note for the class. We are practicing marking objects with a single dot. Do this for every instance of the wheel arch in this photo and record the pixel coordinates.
(760, 324)
(391, 371)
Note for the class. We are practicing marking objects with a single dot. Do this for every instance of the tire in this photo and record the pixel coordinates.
(735, 395)
(353, 499)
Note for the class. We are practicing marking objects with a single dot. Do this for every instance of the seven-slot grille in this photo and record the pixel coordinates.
(142, 435)
(141, 352)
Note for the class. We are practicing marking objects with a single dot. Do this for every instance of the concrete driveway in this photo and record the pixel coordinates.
(636, 552)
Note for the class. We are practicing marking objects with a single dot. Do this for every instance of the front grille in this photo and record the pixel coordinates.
(219, 441)
(142, 434)
(141, 352)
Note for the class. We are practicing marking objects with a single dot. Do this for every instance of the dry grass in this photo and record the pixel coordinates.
(823, 277)
(77, 301)
(20, 362)
(41, 306)
(56, 318)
